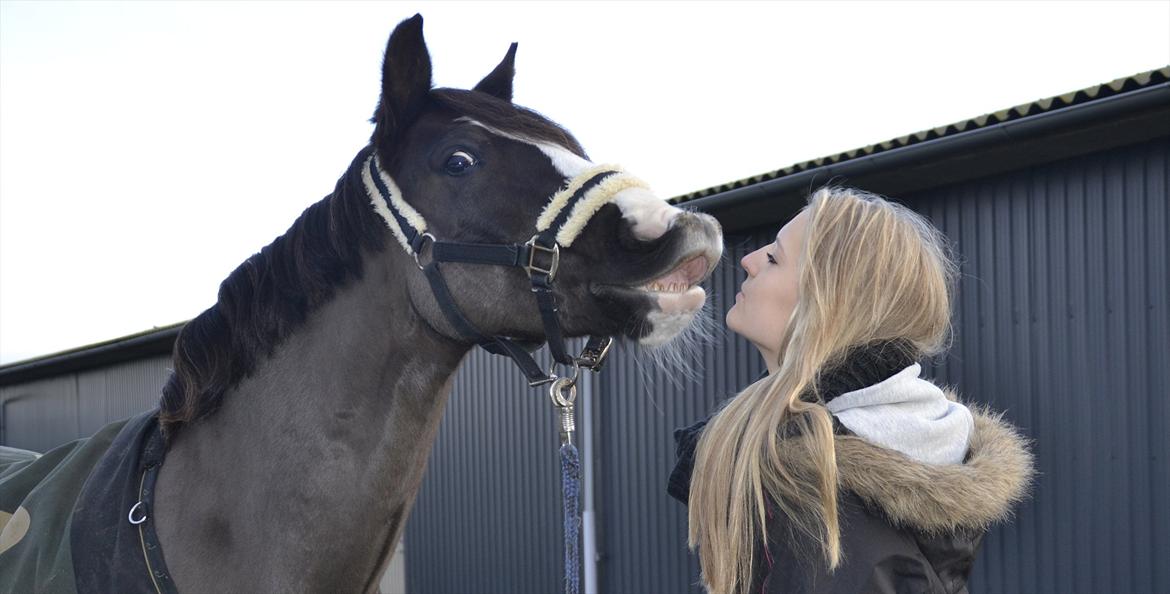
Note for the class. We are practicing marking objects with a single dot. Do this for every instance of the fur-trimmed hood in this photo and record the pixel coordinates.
(995, 475)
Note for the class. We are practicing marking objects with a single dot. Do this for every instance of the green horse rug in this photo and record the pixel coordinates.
(76, 520)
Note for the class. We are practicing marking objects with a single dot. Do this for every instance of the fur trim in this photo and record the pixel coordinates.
(408, 212)
(981, 491)
(558, 200)
(594, 199)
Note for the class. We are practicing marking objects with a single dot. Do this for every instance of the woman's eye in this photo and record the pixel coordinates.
(771, 260)
(459, 163)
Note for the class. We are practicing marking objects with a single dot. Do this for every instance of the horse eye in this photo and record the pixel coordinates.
(459, 163)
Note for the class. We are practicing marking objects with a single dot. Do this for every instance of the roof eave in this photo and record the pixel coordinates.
(153, 342)
(1119, 120)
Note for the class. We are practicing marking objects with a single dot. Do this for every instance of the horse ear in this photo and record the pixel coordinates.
(499, 82)
(406, 80)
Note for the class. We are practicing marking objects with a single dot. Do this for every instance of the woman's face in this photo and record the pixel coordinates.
(768, 295)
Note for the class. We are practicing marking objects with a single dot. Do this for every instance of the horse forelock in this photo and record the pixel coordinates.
(509, 119)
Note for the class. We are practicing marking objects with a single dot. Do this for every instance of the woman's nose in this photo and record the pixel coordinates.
(746, 262)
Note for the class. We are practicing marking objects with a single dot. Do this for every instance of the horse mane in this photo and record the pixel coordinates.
(268, 297)
(273, 292)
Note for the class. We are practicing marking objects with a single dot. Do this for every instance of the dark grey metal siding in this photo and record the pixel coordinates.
(45, 413)
(40, 415)
(1062, 323)
(488, 515)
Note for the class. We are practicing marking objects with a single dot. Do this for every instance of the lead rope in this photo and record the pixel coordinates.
(564, 395)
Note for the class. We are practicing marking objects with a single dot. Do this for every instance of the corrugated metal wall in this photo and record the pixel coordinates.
(488, 514)
(43, 414)
(1062, 323)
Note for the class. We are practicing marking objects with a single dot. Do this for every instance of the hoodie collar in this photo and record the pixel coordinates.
(907, 414)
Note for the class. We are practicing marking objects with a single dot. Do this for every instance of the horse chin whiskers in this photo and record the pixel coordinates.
(674, 348)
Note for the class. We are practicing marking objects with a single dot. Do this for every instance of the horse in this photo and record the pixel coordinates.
(291, 438)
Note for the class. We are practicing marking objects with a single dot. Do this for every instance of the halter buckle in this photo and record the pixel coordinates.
(593, 358)
(532, 267)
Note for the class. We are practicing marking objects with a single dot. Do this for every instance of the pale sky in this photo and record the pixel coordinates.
(146, 149)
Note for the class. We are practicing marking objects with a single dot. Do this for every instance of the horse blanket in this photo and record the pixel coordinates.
(76, 520)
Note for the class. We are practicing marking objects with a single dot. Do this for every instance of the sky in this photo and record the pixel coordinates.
(146, 149)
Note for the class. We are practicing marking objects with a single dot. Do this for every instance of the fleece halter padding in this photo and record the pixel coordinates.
(394, 195)
(600, 195)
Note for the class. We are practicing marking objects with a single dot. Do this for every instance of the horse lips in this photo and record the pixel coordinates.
(677, 291)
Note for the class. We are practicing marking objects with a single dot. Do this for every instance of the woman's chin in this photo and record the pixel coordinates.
(730, 319)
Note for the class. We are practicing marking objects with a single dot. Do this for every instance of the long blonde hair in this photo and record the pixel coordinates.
(872, 270)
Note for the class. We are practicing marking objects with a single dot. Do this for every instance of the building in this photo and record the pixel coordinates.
(1060, 211)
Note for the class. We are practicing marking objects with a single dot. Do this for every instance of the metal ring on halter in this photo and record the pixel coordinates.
(422, 242)
(563, 391)
(553, 367)
(130, 516)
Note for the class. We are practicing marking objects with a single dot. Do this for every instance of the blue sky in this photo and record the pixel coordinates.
(147, 148)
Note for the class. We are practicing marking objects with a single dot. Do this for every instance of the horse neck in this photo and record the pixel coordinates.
(305, 476)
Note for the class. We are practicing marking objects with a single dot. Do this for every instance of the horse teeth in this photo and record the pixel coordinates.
(660, 287)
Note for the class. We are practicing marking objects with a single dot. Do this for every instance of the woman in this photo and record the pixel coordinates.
(842, 470)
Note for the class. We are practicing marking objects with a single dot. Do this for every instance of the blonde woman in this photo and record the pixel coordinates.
(843, 470)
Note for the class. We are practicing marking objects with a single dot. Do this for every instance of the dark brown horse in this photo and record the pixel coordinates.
(304, 403)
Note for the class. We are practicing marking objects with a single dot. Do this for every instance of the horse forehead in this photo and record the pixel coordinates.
(565, 161)
(651, 216)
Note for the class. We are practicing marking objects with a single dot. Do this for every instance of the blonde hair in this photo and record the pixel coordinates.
(871, 270)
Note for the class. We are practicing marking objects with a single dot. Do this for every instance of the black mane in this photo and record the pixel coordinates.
(269, 296)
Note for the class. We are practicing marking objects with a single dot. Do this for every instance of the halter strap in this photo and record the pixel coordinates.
(539, 257)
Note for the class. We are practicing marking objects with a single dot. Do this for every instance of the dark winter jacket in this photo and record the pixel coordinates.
(906, 526)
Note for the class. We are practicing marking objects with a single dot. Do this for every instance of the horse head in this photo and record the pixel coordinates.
(479, 169)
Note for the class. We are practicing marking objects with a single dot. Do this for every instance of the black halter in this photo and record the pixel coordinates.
(539, 257)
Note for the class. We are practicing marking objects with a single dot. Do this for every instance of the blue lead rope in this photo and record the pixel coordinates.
(571, 483)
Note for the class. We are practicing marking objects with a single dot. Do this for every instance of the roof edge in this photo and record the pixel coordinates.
(1145, 113)
(156, 341)
(1060, 106)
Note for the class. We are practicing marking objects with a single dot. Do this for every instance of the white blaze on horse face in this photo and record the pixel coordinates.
(649, 216)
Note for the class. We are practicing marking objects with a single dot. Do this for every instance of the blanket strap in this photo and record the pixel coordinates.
(141, 514)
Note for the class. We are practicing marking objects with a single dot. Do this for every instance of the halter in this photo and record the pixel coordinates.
(558, 226)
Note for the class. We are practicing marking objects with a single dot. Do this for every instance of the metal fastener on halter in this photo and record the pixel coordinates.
(563, 392)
